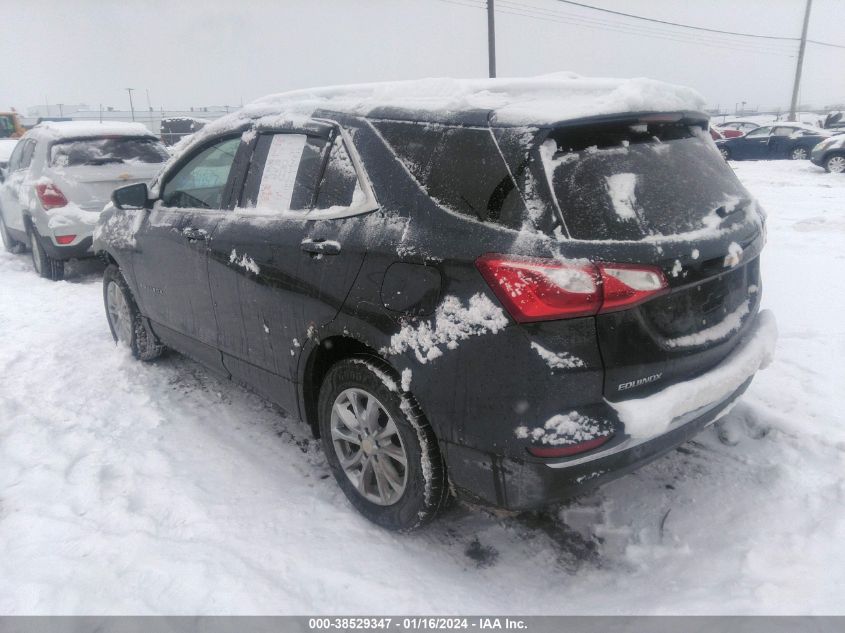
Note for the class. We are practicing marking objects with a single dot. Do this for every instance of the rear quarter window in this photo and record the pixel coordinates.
(460, 168)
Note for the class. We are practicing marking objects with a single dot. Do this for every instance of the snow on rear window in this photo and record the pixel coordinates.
(103, 151)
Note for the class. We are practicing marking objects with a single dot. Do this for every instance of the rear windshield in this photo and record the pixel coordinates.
(625, 181)
(102, 151)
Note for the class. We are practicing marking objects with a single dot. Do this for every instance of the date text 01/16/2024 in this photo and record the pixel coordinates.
(416, 623)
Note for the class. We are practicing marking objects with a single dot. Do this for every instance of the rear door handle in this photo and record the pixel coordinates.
(195, 235)
(320, 246)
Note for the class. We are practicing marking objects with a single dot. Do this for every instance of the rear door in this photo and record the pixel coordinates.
(754, 145)
(170, 263)
(283, 264)
(659, 195)
(13, 190)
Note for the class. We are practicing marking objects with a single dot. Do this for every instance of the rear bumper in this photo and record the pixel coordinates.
(80, 250)
(531, 483)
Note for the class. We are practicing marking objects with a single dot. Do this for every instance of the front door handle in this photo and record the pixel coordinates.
(320, 246)
(195, 235)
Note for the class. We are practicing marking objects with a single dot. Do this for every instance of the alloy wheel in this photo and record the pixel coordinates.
(799, 153)
(369, 447)
(836, 164)
(119, 314)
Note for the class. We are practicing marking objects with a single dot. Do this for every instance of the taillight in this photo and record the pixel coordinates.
(65, 239)
(626, 285)
(50, 195)
(568, 449)
(547, 289)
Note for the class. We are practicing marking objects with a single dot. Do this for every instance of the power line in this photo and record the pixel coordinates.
(531, 11)
(697, 28)
(685, 26)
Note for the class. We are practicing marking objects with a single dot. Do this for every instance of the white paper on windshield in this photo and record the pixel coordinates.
(276, 190)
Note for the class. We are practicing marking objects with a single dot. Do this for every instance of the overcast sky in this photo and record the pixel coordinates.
(204, 52)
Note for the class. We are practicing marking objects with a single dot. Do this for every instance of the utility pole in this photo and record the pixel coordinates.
(794, 106)
(491, 37)
(131, 107)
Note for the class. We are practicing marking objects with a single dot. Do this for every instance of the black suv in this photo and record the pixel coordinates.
(510, 313)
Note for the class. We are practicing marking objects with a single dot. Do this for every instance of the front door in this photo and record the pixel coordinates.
(171, 259)
(277, 273)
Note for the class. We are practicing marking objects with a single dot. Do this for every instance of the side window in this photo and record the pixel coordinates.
(460, 168)
(784, 131)
(339, 186)
(759, 132)
(200, 183)
(283, 173)
(15, 158)
(26, 154)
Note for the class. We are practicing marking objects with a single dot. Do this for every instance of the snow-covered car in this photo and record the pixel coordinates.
(7, 146)
(513, 290)
(830, 154)
(59, 178)
(792, 141)
(734, 129)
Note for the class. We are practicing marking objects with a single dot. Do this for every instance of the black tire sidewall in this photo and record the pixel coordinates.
(113, 274)
(52, 269)
(415, 506)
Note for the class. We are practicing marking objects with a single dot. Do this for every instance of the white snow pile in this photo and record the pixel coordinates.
(557, 360)
(87, 129)
(722, 329)
(544, 99)
(71, 215)
(653, 415)
(564, 429)
(244, 261)
(621, 189)
(533, 100)
(119, 228)
(453, 322)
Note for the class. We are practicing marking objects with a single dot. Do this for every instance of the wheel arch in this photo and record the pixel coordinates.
(320, 359)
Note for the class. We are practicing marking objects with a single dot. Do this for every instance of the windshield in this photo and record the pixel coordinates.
(634, 182)
(102, 151)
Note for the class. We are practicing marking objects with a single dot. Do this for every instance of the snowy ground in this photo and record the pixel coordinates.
(133, 488)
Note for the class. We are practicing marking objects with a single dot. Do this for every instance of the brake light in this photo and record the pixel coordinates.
(627, 285)
(569, 449)
(534, 289)
(65, 239)
(50, 195)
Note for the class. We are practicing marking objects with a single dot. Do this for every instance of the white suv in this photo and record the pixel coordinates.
(59, 178)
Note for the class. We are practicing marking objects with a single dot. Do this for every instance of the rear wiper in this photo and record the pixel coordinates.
(103, 161)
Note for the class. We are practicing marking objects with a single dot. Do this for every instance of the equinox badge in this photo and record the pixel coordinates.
(641, 381)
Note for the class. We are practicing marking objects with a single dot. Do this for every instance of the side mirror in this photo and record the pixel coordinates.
(131, 196)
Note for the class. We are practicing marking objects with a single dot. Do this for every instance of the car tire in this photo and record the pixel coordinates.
(47, 267)
(725, 152)
(799, 153)
(835, 164)
(9, 243)
(127, 325)
(393, 495)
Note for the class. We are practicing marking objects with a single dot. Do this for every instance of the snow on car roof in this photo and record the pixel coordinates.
(539, 100)
(530, 100)
(81, 129)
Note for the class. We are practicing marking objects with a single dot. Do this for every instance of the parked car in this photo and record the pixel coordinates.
(734, 129)
(716, 133)
(7, 146)
(174, 129)
(777, 141)
(830, 154)
(60, 176)
(456, 296)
